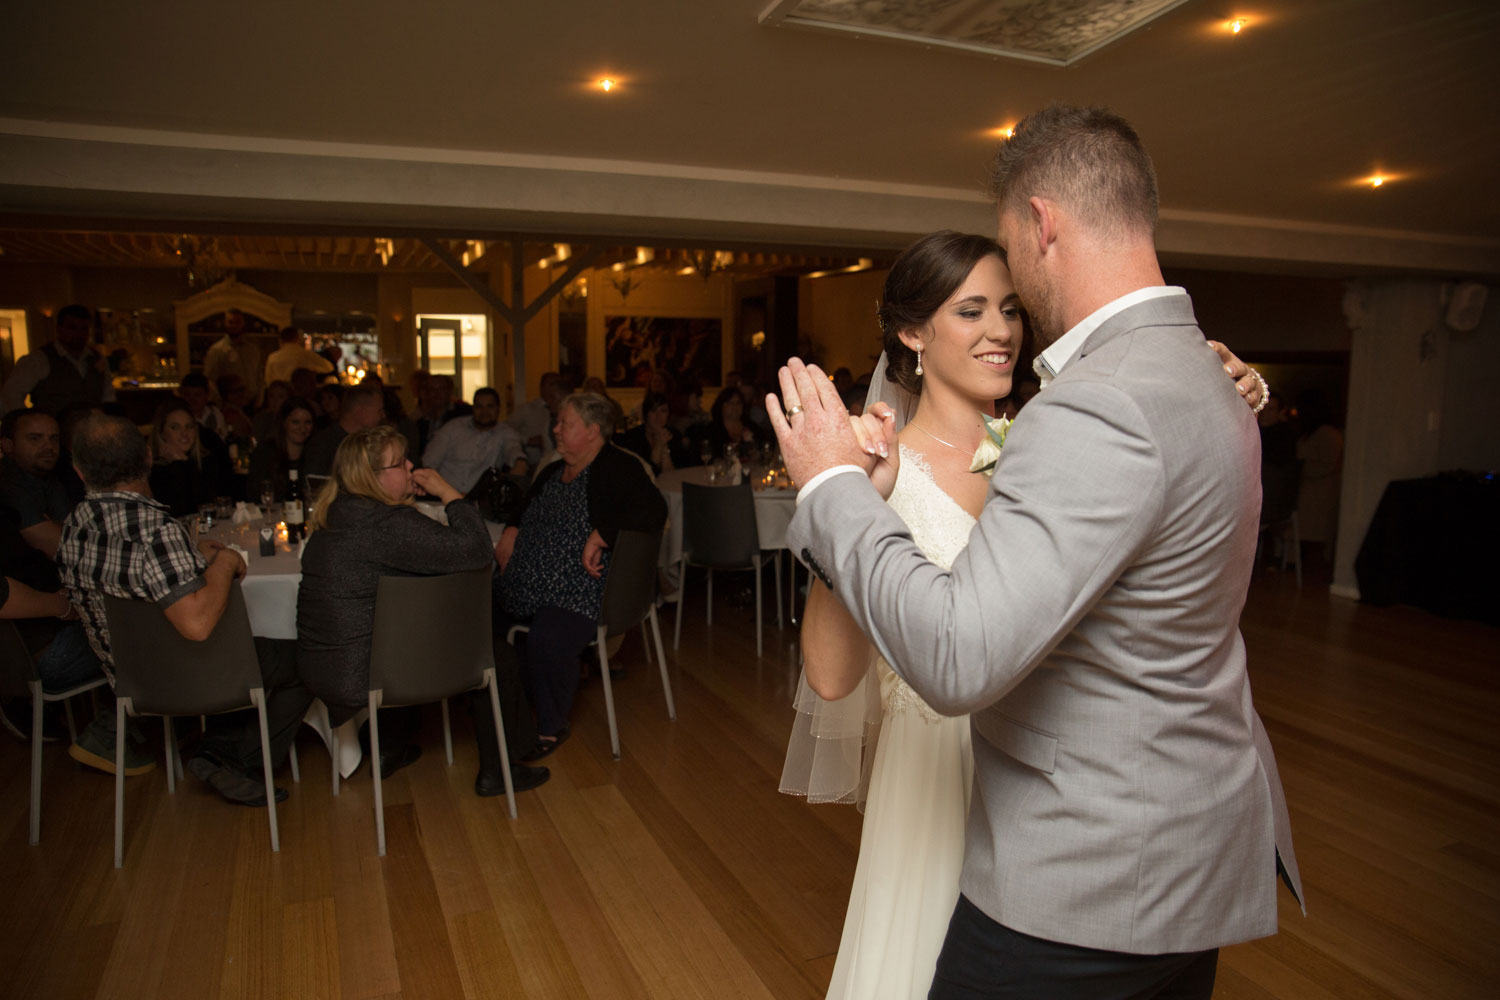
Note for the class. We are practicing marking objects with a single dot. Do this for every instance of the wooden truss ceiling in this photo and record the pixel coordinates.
(363, 253)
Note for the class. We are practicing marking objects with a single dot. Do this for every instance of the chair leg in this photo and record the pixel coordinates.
(258, 695)
(333, 750)
(291, 753)
(758, 636)
(661, 658)
(375, 773)
(447, 734)
(510, 792)
(168, 744)
(708, 610)
(119, 782)
(776, 561)
(681, 600)
(34, 833)
(68, 714)
(609, 694)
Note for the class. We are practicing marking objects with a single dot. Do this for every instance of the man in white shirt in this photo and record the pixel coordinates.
(534, 418)
(293, 354)
(466, 446)
(234, 354)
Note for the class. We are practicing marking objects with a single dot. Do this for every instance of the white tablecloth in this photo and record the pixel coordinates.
(773, 512)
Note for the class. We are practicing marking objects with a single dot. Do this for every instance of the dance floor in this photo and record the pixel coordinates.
(679, 871)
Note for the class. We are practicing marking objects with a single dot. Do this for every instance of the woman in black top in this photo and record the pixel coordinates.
(658, 443)
(553, 564)
(184, 474)
(271, 462)
(728, 425)
(363, 527)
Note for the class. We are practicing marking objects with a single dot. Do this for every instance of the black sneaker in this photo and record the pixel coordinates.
(96, 748)
(522, 779)
(238, 788)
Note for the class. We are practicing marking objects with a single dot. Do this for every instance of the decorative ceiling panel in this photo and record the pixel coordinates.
(1059, 32)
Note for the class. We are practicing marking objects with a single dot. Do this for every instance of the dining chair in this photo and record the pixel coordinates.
(432, 641)
(629, 601)
(719, 533)
(19, 678)
(159, 672)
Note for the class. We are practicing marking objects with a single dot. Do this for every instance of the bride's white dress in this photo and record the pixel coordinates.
(911, 848)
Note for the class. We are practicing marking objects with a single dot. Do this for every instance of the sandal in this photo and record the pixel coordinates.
(545, 745)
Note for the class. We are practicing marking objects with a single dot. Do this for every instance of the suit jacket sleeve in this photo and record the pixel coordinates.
(1077, 492)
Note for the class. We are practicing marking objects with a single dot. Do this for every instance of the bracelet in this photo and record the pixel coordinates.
(1265, 390)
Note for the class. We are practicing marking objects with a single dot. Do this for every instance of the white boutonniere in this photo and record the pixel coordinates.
(988, 452)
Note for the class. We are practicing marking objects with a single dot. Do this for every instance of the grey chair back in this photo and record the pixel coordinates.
(163, 673)
(630, 589)
(432, 636)
(16, 666)
(718, 526)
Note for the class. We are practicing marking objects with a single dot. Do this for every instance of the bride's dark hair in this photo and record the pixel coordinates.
(921, 280)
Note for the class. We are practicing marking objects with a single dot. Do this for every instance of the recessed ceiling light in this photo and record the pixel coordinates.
(608, 83)
(1236, 25)
(1377, 181)
(1003, 132)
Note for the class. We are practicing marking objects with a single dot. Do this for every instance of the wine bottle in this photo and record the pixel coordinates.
(292, 509)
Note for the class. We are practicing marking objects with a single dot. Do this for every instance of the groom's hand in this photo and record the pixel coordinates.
(814, 429)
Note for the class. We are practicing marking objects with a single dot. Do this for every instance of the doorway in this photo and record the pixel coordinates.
(455, 344)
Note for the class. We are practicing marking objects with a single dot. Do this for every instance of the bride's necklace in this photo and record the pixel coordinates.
(939, 440)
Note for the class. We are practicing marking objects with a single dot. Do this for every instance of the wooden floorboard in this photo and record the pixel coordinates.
(680, 871)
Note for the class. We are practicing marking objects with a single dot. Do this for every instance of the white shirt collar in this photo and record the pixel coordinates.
(1051, 362)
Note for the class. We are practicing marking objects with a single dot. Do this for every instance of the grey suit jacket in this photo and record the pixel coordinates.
(1126, 797)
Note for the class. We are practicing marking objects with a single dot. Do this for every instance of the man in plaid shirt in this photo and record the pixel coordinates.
(119, 541)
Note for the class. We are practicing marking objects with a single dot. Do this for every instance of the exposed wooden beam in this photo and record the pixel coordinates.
(471, 280)
(577, 264)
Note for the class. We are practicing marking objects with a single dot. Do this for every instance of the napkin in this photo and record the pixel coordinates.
(244, 513)
(242, 553)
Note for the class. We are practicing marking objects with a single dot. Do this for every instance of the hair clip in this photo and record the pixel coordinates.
(879, 320)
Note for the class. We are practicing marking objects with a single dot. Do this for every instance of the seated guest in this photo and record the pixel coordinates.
(293, 354)
(278, 455)
(120, 541)
(465, 447)
(31, 595)
(691, 414)
(595, 384)
(361, 408)
(365, 527)
(657, 384)
(533, 418)
(658, 444)
(185, 474)
(434, 408)
(28, 482)
(727, 425)
(305, 387)
(234, 403)
(553, 563)
(193, 390)
(330, 400)
(263, 424)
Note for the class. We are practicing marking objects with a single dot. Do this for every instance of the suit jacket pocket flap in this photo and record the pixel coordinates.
(1031, 747)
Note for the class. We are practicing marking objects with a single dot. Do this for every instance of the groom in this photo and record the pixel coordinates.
(1127, 817)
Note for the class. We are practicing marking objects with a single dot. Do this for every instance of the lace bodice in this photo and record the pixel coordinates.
(940, 527)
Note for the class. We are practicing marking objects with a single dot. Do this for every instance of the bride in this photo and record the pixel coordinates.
(952, 331)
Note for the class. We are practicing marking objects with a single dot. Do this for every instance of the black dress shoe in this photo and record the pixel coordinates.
(240, 789)
(522, 779)
(394, 760)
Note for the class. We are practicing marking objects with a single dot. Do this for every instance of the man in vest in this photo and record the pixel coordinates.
(63, 372)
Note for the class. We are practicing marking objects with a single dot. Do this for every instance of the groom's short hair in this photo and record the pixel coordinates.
(1087, 158)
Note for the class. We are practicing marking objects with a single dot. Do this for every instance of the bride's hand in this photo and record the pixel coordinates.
(1249, 384)
(876, 432)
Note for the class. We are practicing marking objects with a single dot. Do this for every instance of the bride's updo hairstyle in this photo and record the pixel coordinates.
(921, 280)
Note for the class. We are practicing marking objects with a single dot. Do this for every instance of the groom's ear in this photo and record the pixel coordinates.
(1044, 223)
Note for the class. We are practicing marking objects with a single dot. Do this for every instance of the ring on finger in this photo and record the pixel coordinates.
(794, 410)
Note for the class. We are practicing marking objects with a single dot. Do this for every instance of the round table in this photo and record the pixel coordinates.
(773, 511)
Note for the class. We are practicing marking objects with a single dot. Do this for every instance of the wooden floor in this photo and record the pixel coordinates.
(679, 871)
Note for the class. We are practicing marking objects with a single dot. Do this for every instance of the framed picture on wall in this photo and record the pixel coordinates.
(685, 347)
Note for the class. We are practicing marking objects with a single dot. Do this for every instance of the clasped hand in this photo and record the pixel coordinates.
(816, 433)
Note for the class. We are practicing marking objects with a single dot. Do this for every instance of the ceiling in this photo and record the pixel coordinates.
(467, 113)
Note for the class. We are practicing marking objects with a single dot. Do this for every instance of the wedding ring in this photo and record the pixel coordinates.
(794, 410)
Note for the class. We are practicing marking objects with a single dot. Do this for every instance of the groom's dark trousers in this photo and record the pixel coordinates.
(981, 958)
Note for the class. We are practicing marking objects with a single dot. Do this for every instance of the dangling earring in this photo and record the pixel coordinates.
(919, 361)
